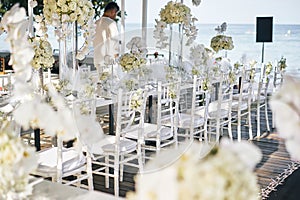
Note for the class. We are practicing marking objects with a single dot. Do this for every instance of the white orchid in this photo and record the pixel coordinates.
(196, 2)
(137, 46)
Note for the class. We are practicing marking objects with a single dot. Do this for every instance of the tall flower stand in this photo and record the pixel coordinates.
(67, 52)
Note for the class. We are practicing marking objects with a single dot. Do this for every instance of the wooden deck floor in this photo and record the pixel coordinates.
(274, 162)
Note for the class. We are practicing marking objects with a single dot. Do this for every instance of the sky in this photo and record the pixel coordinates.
(218, 11)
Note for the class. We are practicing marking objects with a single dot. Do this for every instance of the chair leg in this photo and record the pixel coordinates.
(273, 120)
(116, 179)
(106, 171)
(230, 130)
(250, 125)
(258, 120)
(140, 160)
(267, 117)
(239, 135)
(121, 168)
(89, 171)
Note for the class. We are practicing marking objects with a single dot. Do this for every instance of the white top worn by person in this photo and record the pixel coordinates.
(106, 42)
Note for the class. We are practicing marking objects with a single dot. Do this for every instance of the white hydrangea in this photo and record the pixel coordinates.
(220, 174)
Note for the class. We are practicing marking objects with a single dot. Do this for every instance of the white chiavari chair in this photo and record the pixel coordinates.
(277, 82)
(163, 131)
(219, 112)
(241, 103)
(193, 110)
(116, 151)
(73, 165)
(261, 97)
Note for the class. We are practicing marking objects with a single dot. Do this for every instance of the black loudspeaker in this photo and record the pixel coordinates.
(264, 29)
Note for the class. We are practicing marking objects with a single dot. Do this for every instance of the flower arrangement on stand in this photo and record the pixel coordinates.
(43, 57)
(226, 172)
(221, 41)
(133, 64)
(175, 13)
(66, 16)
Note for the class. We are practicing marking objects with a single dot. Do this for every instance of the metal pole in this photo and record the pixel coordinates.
(144, 20)
(262, 52)
(30, 19)
(122, 26)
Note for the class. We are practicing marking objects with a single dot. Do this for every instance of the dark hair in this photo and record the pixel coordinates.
(111, 6)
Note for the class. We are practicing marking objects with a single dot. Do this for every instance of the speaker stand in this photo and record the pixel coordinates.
(262, 52)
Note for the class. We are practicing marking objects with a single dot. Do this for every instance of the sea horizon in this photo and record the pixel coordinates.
(286, 41)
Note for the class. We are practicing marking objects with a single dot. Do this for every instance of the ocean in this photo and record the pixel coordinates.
(286, 42)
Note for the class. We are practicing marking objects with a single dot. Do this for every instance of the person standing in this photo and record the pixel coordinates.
(106, 41)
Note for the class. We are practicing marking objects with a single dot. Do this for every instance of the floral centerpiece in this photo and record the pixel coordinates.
(17, 161)
(224, 173)
(135, 59)
(130, 62)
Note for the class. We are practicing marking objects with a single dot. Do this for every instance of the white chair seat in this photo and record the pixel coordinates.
(185, 120)
(245, 97)
(125, 146)
(214, 114)
(262, 98)
(235, 106)
(150, 132)
(72, 160)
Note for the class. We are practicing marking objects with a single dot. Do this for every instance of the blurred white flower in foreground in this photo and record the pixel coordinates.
(286, 107)
(224, 173)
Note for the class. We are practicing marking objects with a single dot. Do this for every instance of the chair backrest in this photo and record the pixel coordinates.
(89, 130)
(264, 81)
(167, 105)
(200, 101)
(245, 80)
(130, 113)
(278, 78)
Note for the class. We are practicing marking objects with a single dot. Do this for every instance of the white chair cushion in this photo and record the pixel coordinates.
(151, 132)
(235, 106)
(72, 160)
(214, 114)
(185, 120)
(125, 146)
